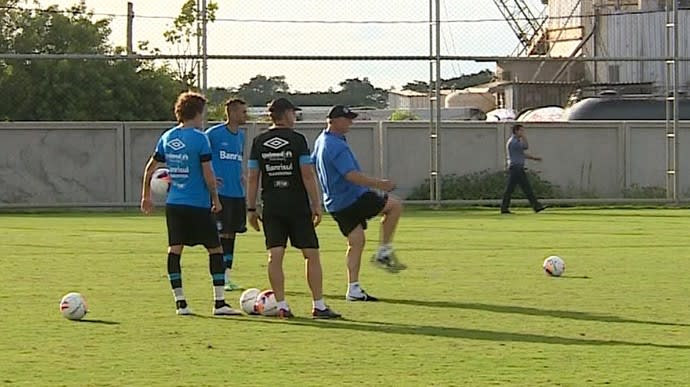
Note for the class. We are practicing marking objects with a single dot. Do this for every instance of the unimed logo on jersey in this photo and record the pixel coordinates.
(176, 144)
(275, 143)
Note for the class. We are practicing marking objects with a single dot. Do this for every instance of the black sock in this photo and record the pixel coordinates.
(228, 251)
(217, 269)
(174, 270)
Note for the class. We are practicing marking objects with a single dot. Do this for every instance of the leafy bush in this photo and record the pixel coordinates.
(403, 115)
(484, 185)
(636, 191)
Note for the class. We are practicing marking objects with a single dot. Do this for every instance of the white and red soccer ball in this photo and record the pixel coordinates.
(160, 181)
(73, 306)
(554, 266)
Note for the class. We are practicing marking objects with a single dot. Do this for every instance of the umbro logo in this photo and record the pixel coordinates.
(176, 144)
(276, 143)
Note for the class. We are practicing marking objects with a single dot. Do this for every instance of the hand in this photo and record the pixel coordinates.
(146, 206)
(253, 219)
(316, 214)
(216, 206)
(385, 185)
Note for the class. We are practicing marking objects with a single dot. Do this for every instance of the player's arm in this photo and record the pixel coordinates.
(310, 184)
(146, 204)
(359, 178)
(151, 166)
(306, 167)
(211, 184)
(525, 146)
(205, 156)
(345, 164)
(252, 187)
(253, 175)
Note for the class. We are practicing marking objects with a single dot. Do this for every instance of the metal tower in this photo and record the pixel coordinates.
(527, 27)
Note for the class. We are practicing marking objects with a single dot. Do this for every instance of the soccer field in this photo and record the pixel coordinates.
(474, 308)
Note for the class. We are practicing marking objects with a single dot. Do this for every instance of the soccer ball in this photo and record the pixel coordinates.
(554, 266)
(73, 306)
(266, 303)
(160, 181)
(248, 300)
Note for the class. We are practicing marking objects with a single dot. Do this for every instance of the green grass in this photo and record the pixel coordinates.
(474, 308)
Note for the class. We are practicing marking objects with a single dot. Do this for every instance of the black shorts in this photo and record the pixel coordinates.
(233, 217)
(191, 226)
(366, 207)
(298, 228)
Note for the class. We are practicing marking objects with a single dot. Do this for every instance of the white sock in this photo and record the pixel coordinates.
(227, 275)
(319, 304)
(179, 294)
(283, 305)
(353, 288)
(218, 293)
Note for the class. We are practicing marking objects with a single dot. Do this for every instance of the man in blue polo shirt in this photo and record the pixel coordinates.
(350, 198)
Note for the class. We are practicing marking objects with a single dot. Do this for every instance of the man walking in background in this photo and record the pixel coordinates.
(515, 150)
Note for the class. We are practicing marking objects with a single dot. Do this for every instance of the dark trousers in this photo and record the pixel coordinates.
(517, 176)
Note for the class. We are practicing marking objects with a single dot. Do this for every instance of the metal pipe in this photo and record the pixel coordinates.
(130, 28)
(437, 165)
(197, 62)
(411, 58)
(204, 45)
(676, 85)
(432, 134)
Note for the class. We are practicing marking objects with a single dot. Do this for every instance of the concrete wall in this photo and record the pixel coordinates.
(101, 163)
(61, 163)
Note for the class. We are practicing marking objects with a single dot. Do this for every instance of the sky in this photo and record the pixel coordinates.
(474, 28)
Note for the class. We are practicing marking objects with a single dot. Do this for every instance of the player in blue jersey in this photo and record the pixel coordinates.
(227, 145)
(191, 200)
(349, 197)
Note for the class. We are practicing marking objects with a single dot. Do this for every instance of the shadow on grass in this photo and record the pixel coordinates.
(94, 321)
(457, 333)
(523, 310)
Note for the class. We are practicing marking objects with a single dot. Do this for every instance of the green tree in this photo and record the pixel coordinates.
(183, 36)
(74, 89)
(458, 83)
(261, 89)
(356, 92)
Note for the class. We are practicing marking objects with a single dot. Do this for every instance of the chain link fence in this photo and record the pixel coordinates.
(600, 85)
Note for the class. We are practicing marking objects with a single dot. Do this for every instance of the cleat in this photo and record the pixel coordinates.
(284, 314)
(325, 314)
(186, 311)
(226, 310)
(388, 262)
(230, 286)
(363, 296)
(540, 209)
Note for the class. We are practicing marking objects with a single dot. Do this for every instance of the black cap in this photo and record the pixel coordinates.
(341, 111)
(280, 105)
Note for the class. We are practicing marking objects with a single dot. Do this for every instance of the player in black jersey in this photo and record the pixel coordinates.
(281, 160)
